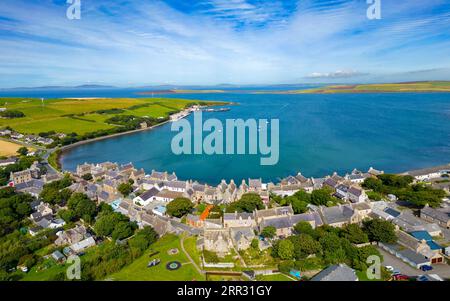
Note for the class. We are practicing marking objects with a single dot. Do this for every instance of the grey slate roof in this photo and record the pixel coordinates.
(355, 191)
(436, 214)
(336, 214)
(330, 182)
(149, 194)
(237, 215)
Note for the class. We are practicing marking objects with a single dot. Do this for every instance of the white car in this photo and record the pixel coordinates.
(390, 268)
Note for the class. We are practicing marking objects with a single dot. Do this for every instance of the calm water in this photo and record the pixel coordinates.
(319, 134)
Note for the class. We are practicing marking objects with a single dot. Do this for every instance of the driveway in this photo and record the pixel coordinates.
(442, 270)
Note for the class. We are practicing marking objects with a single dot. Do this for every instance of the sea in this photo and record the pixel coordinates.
(318, 134)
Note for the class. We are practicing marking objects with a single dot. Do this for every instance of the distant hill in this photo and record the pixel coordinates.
(60, 87)
(425, 86)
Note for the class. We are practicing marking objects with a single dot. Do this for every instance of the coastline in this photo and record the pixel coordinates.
(66, 148)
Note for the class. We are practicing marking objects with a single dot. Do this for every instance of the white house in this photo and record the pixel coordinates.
(167, 195)
(146, 198)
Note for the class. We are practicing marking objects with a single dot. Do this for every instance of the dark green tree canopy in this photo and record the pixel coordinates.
(179, 207)
(269, 232)
(125, 189)
(380, 230)
(249, 202)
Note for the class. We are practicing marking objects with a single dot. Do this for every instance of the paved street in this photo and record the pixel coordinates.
(442, 270)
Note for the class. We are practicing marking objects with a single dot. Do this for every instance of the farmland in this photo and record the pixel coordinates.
(414, 87)
(80, 115)
(8, 149)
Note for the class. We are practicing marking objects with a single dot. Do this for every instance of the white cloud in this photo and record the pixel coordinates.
(150, 42)
(336, 74)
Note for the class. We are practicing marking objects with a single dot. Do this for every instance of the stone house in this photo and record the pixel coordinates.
(438, 216)
(231, 220)
(242, 237)
(218, 241)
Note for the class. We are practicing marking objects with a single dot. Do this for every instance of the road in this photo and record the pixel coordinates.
(442, 270)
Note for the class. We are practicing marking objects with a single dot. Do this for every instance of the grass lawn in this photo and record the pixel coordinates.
(138, 271)
(46, 271)
(52, 115)
(190, 244)
(273, 277)
(362, 276)
(256, 257)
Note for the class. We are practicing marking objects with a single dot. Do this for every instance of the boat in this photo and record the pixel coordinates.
(217, 110)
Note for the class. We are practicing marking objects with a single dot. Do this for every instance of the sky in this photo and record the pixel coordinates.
(208, 42)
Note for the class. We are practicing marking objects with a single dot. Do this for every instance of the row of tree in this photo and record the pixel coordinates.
(328, 245)
(403, 188)
(301, 199)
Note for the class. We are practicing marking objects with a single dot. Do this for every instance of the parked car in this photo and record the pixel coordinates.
(400, 277)
(390, 268)
(426, 268)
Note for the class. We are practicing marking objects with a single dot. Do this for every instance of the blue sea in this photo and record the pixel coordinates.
(319, 134)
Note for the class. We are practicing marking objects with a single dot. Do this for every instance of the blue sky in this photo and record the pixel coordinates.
(207, 42)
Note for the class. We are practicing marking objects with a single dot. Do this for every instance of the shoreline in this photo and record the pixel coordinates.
(64, 149)
(67, 148)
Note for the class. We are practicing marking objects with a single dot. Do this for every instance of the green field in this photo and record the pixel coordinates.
(77, 115)
(138, 271)
(46, 271)
(429, 86)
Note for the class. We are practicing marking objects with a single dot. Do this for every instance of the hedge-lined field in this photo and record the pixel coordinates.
(79, 115)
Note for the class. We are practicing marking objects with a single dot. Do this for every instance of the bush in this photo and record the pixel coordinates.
(12, 114)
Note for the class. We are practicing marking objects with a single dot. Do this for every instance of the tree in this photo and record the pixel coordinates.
(87, 177)
(179, 207)
(12, 114)
(305, 245)
(298, 206)
(380, 230)
(269, 232)
(299, 201)
(330, 242)
(122, 230)
(420, 195)
(373, 183)
(23, 151)
(355, 234)
(321, 197)
(395, 180)
(285, 249)
(249, 202)
(143, 239)
(305, 228)
(125, 189)
(255, 243)
(67, 215)
(360, 260)
(54, 196)
(82, 206)
(106, 222)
